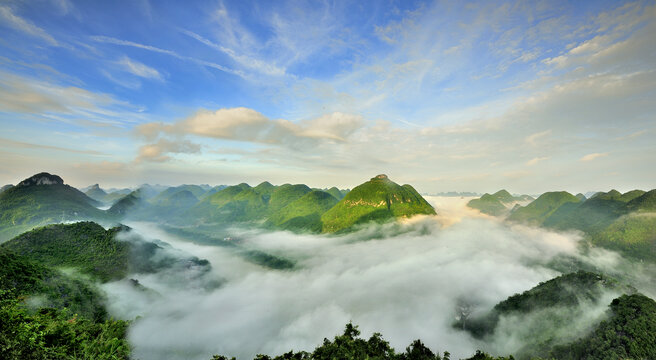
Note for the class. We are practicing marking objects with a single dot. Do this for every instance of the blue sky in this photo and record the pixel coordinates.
(468, 96)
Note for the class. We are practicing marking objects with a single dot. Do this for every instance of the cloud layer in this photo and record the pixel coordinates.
(404, 282)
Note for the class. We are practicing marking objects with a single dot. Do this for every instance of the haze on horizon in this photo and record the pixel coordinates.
(468, 96)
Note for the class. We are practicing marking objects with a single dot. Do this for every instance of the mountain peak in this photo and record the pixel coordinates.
(380, 177)
(43, 178)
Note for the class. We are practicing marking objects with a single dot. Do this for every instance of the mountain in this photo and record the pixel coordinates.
(337, 193)
(378, 199)
(243, 203)
(96, 193)
(6, 187)
(43, 199)
(542, 316)
(126, 204)
(84, 245)
(628, 333)
(498, 203)
(643, 203)
(94, 251)
(541, 208)
(26, 278)
(303, 214)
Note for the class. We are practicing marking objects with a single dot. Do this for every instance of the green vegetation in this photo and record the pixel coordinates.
(379, 200)
(42, 199)
(541, 208)
(629, 333)
(563, 291)
(58, 334)
(85, 246)
(41, 286)
(303, 213)
(96, 193)
(496, 204)
(621, 222)
(349, 345)
(633, 235)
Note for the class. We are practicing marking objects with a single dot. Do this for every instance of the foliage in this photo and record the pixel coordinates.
(44, 287)
(633, 235)
(349, 345)
(57, 334)
(629, 333)
(86, 246)
(541, 318)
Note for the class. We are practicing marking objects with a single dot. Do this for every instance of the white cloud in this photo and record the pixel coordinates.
(158, 151)
(25, 26)
(244, 124)
(536, 160)
(136, 68)
(110, 40)
(593, 156)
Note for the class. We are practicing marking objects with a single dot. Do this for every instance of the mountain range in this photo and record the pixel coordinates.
(44, 199)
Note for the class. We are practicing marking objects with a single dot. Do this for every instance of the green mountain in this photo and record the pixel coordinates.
(498, 203)
(303, 214)
(96, 193)
(628, 333)
(563, 291)
(643, 203)
(337, 193)
(378, 199)
(92, 250)
(633, 234)
(243, 203)
(86, 246)
(45, 287)
(43, 199)
(541, 208)
(541, 318)
(126, 204)
(6, 187)
(590, 215)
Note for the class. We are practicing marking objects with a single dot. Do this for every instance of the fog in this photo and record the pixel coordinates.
(402, 280)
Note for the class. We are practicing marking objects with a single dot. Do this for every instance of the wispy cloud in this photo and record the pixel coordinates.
(136, 68)
(27, 145)
(251, 63)
(25, 26)
(114, 41)
(593, 156)
(536, 160)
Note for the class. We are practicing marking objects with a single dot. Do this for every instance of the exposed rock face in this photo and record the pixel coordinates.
(380, 177)
(42, 179)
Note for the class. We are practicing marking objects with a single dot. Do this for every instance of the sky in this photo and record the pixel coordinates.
(530, 96)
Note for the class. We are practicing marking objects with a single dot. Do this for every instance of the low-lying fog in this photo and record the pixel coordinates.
(405, 285)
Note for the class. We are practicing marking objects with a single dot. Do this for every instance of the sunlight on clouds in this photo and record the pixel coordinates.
(593, 156)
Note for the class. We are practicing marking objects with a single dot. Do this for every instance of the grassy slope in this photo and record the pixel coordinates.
(375, 200)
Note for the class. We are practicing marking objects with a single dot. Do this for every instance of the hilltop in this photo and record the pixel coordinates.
(379, 199)
(498, 203)
(43, 199)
